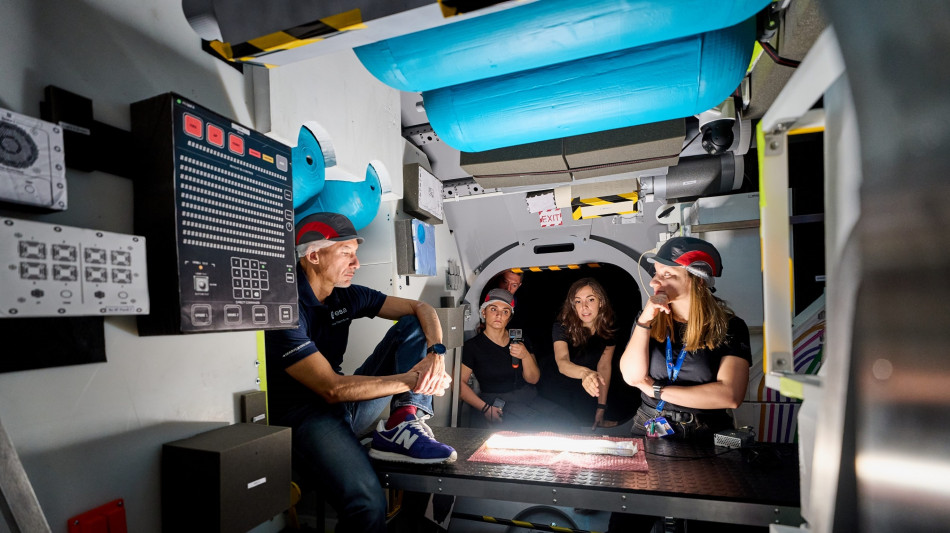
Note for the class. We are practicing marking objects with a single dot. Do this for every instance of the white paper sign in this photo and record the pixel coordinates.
(540, 201)
(430, 194)
(551, 217)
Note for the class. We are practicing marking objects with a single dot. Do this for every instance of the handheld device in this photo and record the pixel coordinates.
(515, 336)
(498, 403)
(734, 438)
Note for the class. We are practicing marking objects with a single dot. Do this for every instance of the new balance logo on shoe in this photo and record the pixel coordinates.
(406, 438)
(410, 441)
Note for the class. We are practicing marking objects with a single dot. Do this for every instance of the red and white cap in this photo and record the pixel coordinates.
(325, 226)
(698, 256)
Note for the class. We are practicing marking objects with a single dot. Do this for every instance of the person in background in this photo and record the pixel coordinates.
(328, 410)
(688, 354)
(511, 281)
(506, 370)
(584, 344)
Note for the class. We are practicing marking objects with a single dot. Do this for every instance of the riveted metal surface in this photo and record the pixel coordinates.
(757, 485)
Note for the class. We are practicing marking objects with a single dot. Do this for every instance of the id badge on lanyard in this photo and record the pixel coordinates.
(658, 426)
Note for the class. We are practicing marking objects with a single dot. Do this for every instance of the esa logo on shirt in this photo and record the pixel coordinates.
(337, 314)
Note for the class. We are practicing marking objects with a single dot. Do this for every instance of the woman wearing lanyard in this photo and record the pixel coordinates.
(688, 352)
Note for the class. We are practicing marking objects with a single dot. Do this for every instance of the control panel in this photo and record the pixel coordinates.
(56, 270)
(216, 203)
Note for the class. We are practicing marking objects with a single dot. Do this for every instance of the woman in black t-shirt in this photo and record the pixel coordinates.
(506, 370)
(584, 348)
(689, 356)
(688, 353)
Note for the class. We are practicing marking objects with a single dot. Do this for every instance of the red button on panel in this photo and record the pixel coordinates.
(235, 144)
(215, 135)
(193, 126)
(254, 153)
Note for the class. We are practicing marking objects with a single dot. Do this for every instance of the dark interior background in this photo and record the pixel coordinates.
(538, 302)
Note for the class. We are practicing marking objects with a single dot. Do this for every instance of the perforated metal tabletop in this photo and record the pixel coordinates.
(756, 486)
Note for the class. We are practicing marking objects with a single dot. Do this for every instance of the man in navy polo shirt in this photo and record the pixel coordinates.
(327, 410)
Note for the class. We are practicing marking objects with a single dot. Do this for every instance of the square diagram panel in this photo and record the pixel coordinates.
(55, 270)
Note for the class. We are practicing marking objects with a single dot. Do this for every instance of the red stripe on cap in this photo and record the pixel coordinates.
(325, 230)
(689, 257)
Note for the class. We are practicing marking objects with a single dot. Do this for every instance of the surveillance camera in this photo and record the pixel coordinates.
(716, 127)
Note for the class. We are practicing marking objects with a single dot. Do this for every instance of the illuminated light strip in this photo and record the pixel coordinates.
(553, 267)
(546, 443)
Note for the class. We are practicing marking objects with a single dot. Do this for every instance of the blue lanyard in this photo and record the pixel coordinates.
(672, 371)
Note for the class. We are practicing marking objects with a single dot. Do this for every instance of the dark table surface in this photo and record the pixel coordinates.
(760, 475)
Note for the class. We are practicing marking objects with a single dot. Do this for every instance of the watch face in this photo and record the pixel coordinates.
(437, 348)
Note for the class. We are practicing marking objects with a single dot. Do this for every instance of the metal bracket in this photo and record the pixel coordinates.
(774, 143)
(463, 188)
(421, 135)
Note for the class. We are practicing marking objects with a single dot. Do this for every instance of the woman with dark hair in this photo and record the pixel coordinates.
(688, 354)
(584, 348)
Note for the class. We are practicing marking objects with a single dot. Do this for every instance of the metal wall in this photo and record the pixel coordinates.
(900, 369)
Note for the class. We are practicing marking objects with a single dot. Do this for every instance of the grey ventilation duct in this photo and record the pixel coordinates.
(696, 177)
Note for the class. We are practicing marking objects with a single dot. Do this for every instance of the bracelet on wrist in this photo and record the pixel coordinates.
(486, 408)
(644, 326)
(602, 406)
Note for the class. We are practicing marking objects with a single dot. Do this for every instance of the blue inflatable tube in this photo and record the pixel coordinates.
(538, 34)
(309, 167)
(650, 83)
(358, 200)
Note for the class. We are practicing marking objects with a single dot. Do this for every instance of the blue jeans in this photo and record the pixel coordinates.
(326, 450)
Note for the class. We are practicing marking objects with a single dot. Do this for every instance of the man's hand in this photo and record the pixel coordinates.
(433, 379)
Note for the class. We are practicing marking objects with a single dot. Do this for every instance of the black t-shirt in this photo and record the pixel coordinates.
(588, 354)
(324, 327)
(699, 367)
(491, 365)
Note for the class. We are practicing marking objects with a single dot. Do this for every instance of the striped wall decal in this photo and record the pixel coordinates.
(554, 267)
(598, 206)
(304, 34)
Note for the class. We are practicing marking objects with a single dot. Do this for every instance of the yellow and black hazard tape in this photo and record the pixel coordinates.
(451, 8)
(554, 267)
(518, 523)
(304, 34)
(598, 206)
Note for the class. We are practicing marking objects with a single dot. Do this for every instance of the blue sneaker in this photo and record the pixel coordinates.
(409, 442)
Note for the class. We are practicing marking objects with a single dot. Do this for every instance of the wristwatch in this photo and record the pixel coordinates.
(438, 348)
(657, 391)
